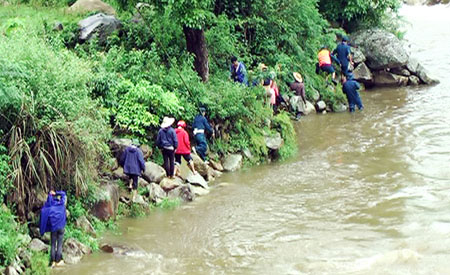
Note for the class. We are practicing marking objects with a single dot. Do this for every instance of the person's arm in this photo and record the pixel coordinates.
(335, 59)
(123, 156)
(141, 160)
(350, 57)
(302, 93)
(158, 139)
(175, 139)
(208, 127)
(186, 140)
(63, 196)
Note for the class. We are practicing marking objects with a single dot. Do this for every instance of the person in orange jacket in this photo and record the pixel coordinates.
(325, 58)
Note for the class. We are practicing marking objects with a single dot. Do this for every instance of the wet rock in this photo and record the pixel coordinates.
(121, 250)
(383, 78)
(73, 251)
(400, 71)
(423, 74)
(382, 49)
(200, 166)
(232, 162)
(37, 245)
(413, 80)
(197, 179)
(274, 141)
(140, 200)
(339, 108)
(142, 182)
(362, 73)
(213, 174)
(153, 172)
(118, 145)
(34, 233)
(358, 56)
(309, 108)
(155, 193)
(106, 207)
(58, 26)
(86, 6)
(199, 191)
(216, 165)
(100, 25)
(83, 223)
(184, 192)
(321, 106)
(169, 184)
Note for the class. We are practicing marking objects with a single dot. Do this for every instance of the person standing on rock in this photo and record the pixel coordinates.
(133, 163)
(325, 59)
(184, 147)
(201, 125)
(238, 71)
(167, 141)
(53, 219)
(344, 55)
(350, 88)
(298, 102)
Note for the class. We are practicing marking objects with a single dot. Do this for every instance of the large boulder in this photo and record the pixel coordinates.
(339, 108)
(413, 80)
(232, 162)
(199, 191)
(119, 174)
(274, 141)
(382, 49)
(315, 95)
(153, 172)
(184, 192)
(169, 184)
(118, 145)
(216, 165)
(321, 106)
(73, 251)
(358, 56)
(99, 24)
(83, 223)
(107, 205)
(200, 166)
(309, 108)
(362, 73)
(383, 78)
(155, 193)
(197, 179)
(400, 71)
(415, 68)
(37, 246)
(85, 6)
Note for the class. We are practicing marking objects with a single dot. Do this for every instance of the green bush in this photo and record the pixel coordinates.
(39, 264)
(10, 236)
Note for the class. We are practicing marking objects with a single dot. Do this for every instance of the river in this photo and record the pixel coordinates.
(368, 193)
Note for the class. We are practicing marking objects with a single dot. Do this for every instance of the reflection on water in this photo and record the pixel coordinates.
(367, 194)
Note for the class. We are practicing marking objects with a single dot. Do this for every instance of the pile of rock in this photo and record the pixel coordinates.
(381, 60)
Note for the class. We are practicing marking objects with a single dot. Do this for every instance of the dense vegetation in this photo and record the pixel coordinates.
(61, 101)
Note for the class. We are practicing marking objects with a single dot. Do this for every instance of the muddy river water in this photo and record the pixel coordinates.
(368, 193)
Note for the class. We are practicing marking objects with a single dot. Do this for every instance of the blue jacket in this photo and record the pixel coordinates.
(132, 161)
(200, 122)
(350, 88)
(239, 74)
(53, 213)
(342, 51)
(167, 138)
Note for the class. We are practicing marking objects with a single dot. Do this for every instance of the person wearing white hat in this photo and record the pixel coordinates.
(167, 141)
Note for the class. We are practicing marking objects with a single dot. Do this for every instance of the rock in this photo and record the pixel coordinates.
(274, 141)
(142, 182)
(213, 174)
(34, 233)
(400, 71)
(73, 251)
(153, 172)
(121, 250)
(358, 56)
(37, 245)
(155, 193)
(58, 26)
(309, 108)
(106, 207)
(83, 223)
(86, 6)
(25, 238)
(362, 73)
(232, 162)
(25, 256)
(381, 48)
(184, 192)
(247, 153)
(320, 106)
(119, 174)
(383, 78)
(197, 179)
(315, 95)
(169, 184)
(413, 80)
(199, 191)
(422, 73)
(200, 166)
(99, 24)
(216, 165)
(339, 108)
(118, 145)
(146, 151)
(412, 65)
(11, 271)
(140, 200)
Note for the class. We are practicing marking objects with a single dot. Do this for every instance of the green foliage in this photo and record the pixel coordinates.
(5, 170)
(168, 204)
(282, 123)
(39, 264)
(73, 232)
(10, 237)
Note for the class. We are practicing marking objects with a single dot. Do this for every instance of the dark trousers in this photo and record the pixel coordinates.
(135, 179)
(201, 145)
(354, 99)
(57, 243)
(169, 161)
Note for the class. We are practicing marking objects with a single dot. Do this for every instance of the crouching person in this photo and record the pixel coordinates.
(53, 219)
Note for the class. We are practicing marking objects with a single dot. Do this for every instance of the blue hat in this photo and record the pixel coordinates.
(344, 38)
(349, 75)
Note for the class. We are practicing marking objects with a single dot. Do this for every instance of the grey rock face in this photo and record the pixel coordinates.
(98, 24)
(153, 172)
(232, 162)
(362, 73)
(383, 78)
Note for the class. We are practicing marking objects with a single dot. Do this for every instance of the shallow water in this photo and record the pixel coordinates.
(368, 193)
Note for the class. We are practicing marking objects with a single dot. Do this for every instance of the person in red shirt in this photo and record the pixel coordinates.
(184, 147)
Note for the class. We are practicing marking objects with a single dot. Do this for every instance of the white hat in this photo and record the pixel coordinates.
(298, 77)
(167, 121)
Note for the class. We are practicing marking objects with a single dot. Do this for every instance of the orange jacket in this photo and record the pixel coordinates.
(324, 57)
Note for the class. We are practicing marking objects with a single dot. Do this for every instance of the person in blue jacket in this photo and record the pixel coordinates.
(350, 88)
(344, 55)
(238, 71)
(201, 125)
(53, 219)
(167, 141)
(133, 163)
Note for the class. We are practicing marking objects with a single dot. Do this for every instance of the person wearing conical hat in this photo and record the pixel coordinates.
(298, 101)
(167, 141)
